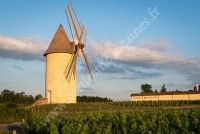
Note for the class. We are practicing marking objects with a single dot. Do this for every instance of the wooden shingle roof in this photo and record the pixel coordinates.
(60, 43)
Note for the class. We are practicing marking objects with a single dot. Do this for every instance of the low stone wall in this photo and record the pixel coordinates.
(166, 97)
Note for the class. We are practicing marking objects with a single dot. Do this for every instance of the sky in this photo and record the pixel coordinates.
(129, 43)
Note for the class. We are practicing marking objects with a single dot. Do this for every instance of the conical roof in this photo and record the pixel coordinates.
(60, 43)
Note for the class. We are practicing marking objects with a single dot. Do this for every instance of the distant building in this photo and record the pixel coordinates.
(166, 96)
(197, 87)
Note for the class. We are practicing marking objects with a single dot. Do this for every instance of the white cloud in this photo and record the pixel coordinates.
(152, 54)
(149, 55)
(144, 52)
(24, 49)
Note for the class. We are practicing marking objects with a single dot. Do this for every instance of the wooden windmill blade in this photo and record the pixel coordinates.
(87, 63)
(83, 39)
(74, 64)
(72, 67)
(69, 23)
(75, 16)
(73, 22)
(80, 37)
(75, 28)
(80, 34)
(68, 65)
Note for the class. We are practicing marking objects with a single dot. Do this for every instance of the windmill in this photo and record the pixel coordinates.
(61, 58)
(78, 33)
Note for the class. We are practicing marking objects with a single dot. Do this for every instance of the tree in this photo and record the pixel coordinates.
(163, 89)
(156, 91)
(18, 98)
(146, 88)
(195, 88)
(92, 99)
(37, 97)
(7, 95)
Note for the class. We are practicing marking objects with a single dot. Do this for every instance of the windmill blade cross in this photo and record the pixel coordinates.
(78, 32)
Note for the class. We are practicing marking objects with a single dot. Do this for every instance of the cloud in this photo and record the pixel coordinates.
(141, 55)
(18, 68)
(117, 71)
(88, 90)
(149, 55)
(139, 75)
(21, 48)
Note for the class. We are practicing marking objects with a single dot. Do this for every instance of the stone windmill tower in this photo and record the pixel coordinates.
(61, 58)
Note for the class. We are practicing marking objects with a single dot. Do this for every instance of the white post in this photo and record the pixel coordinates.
(197, 87)
(14, 132)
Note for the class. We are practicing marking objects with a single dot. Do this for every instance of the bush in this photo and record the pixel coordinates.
(153, 121)
(11, 105)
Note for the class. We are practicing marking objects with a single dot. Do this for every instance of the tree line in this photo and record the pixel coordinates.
(92, 99)
(147, 88)
(8, 96)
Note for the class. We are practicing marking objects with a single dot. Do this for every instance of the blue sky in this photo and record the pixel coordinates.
(169, 46)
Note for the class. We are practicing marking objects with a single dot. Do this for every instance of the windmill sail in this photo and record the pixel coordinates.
(78, 35)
